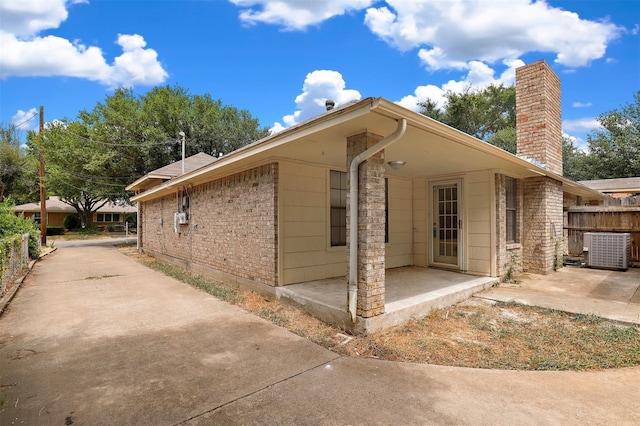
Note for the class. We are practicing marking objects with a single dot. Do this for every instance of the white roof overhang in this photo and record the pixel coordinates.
(429, 148)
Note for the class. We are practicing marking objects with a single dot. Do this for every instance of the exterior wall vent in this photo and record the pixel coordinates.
(607, 250)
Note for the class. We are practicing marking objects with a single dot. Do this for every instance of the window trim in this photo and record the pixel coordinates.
(511, 196)
(108, 217)
(341, 208)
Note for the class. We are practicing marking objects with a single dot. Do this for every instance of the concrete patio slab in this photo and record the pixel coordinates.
(410, 292)
(613, 295)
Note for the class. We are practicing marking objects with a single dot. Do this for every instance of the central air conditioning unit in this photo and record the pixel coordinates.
(181, 218)
(607, 250)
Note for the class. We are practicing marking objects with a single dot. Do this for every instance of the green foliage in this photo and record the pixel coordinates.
(614, 151)
(132, 220)
(514, 265)
(488, 114)
(90, 160)
(12, 161)
(71, 221)
(573, 161)
(11, 225)
(55, 230)
(89, 231)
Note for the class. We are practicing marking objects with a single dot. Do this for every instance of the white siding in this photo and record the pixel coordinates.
(305, 248)
(478, 200)
(399, 248)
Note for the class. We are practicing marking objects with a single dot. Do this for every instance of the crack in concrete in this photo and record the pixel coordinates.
(256, 391)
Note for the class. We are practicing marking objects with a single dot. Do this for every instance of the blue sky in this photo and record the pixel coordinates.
(281, 59)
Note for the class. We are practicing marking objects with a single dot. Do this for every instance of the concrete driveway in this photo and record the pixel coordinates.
(94, 338)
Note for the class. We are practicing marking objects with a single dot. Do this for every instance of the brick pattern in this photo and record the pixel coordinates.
(538, 115)
(233, 225)
(371, 226)
(542, 199)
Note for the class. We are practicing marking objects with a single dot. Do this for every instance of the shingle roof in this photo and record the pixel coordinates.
(54, 204)
(171, 171)
(627, 185)
(190, 164)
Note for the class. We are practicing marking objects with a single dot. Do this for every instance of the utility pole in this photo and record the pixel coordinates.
(43, 196)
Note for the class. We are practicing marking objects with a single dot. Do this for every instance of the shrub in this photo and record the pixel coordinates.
(71, 221)
(132, 219)
(89, 231)
(55, 230)
(10, 225)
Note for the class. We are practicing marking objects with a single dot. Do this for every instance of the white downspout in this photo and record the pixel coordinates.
(353, 211)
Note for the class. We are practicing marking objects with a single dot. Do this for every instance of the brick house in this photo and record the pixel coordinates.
(281, 211)
(110, 214)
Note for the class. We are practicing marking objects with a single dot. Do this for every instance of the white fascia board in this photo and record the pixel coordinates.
(292, 134)
(392, 110)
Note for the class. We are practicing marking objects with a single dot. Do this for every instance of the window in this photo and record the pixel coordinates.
(511, 186)
(36, 217)
(338, 189)
(108, 217)
(338, 193)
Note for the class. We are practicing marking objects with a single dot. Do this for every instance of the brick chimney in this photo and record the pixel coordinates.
(538, 116)
(539, 138)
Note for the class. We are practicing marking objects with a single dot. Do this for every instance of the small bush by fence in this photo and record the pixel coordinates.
(14, 256)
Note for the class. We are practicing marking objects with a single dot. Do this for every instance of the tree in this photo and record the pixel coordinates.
(90, 160)
(78, 168)
(12, 162)
(573, 161)
(488, 114)
(614, 151)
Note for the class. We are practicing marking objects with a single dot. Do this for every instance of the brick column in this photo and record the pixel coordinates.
(371, 225)
(543, 224)
(501, 225)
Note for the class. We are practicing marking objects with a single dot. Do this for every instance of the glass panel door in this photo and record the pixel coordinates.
(446, 223)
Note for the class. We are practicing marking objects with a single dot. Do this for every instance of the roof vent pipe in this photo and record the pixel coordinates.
(329, 104)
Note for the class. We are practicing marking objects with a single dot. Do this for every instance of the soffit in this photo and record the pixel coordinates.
(429, 148)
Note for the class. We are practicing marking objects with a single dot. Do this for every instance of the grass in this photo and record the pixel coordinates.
(507, 336)
(475, 333)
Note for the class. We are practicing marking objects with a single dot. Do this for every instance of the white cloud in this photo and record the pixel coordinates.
(579, 143)
(26, 120)
(581, 104)
(25, 54)
(480, 76)
(318, 86)
(451, 34)
(581, 125)
(295, 14)
(28, 17)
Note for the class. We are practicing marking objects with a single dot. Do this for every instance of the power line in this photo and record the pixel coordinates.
(26, 120)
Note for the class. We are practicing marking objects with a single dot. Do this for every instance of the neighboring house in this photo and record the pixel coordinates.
(281, 211)
(171, 171)
(623, 191)
(109, 214)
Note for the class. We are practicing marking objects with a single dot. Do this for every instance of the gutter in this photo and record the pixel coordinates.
(353, 211)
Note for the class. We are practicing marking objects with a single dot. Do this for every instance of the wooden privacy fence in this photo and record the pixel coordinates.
(581, 219)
